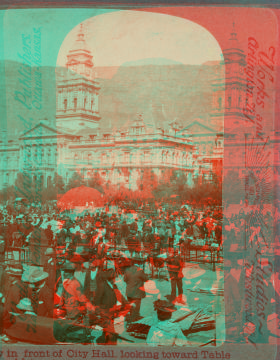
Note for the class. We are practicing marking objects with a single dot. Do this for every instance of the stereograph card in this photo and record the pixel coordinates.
(139, 179)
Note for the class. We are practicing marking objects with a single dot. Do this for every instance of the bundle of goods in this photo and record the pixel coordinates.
(189, 321)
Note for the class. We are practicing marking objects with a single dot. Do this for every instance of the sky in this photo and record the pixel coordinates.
(124, 37)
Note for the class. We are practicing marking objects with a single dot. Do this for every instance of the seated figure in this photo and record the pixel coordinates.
(165, 332)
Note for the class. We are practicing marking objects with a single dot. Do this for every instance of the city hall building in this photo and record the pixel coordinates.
(81, 143)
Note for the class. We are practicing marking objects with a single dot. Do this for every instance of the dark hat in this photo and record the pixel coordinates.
(76, 258)
(68, 267)
(85, 254)
(164, 305)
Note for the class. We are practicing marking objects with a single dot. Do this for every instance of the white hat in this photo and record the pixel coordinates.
(25, 304)
(150, 287)
(37, 275)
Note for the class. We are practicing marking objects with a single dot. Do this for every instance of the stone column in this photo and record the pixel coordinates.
(96, 103)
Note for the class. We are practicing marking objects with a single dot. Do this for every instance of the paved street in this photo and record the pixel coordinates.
(202, 288)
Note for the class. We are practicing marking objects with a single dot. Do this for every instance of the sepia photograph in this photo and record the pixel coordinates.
(138, 182)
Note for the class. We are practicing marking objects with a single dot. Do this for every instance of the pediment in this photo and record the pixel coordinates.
(198, 128)
(42, 131)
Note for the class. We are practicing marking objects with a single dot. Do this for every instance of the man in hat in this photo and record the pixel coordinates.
(41, 296)
(15, 291)
(101, 250)
(72, 299)
(78, 259)
(61, 237)
(165, 332)
(38, 244)
(75, 304)
(49, 235)
(162, 233)
(93, 275)
(148, 237)
(50, 268)
(24, 326)
(131, 242)
(124, 229)
(108, 300)
(174, 267)
(135, 278)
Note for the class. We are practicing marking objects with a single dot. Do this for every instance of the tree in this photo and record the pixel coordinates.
(49, 193)
(172, 182)
(179, 180)
(75, 181)
(29, 186)
(58, 183)
(167, 175)
(147, 181)
(96, 182)
(23, 185)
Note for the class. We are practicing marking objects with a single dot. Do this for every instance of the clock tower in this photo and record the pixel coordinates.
(229, 88)
(77, 90)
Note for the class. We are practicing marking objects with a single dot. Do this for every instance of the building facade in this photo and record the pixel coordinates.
(81, 143)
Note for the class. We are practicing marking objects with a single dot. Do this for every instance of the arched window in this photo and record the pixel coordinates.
(229, 101)
(49, 181)
(85, 102)
(219, 103)
(65, 104)
(49, 156)
(75, 104)
(89, 158)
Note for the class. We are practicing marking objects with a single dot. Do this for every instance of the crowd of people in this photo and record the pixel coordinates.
(65, 266)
